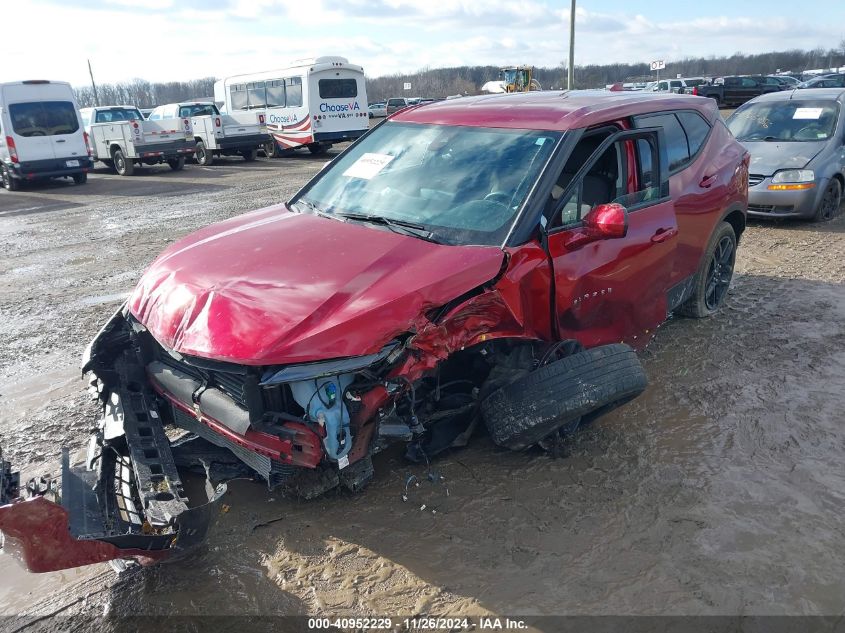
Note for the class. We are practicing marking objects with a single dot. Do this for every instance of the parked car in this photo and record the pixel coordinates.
(216, 134)
(676, 86)
(496, 258)
(121, 138)
(826, 81)
(395, 104)
(786, 82)
(377, 110)
(734, 91)
(797, 146)
(41, 134)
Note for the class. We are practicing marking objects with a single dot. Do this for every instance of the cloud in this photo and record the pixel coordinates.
(184, 39)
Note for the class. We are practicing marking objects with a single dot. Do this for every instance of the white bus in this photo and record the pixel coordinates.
(312, 103)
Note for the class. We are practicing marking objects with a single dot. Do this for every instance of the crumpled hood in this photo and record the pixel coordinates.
(767, 157)
(275, 287)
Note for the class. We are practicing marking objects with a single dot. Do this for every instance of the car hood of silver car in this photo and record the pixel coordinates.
(767, 157)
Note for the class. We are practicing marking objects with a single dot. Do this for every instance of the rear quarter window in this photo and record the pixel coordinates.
(43, 118)
(696, 128)
(674, 136)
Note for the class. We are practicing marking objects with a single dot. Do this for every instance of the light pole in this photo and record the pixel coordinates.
(570, 79)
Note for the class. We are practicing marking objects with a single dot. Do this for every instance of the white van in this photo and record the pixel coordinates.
(312, 103)
(41, 134)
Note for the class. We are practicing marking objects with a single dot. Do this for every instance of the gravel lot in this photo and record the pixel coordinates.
(719, 491)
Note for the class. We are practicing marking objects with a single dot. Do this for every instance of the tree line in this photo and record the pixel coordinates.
(468, 80)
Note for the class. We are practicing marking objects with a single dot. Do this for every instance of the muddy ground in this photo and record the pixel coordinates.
(719, 491)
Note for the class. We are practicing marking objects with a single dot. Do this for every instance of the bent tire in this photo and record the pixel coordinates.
(714, 275)
(533, 407)
(829, 204)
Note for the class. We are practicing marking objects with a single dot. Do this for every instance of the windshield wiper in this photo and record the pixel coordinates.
(403, 227)
(312, 207)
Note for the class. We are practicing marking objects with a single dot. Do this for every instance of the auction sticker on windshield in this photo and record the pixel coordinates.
(368, 166)
(807, 113)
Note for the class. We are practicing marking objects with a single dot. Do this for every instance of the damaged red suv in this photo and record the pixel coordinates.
(492, 260)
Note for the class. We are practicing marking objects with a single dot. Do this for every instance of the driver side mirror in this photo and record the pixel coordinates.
(603, 222)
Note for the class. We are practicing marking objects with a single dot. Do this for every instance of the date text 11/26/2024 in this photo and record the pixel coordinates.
(484, 623)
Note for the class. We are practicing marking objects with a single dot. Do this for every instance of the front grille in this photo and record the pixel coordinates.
(761, 208)
(755, 179)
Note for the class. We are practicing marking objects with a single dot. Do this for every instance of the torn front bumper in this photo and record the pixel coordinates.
(126, 502)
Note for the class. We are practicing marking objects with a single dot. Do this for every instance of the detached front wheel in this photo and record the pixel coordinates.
(556, 396)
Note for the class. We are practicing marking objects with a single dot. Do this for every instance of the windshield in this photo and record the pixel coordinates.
(793, 120)
(198, 109)
(464, 185)
(118, 114)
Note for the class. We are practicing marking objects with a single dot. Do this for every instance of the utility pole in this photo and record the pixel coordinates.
(94, 86)
(570, 79)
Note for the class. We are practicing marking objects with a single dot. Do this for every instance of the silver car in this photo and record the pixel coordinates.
(797, 144)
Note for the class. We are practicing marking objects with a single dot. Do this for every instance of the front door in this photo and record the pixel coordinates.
(613, 290)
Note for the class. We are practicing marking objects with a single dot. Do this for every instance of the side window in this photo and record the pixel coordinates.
(276, 93)
(293, 90)
(731, 81)
(239, 101)
(257, 96)
(696, 128)
(677, 148)
(86, 117)
(747, 82)
(605, 181)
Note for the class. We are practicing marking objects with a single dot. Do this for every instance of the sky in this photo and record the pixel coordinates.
(165, 40)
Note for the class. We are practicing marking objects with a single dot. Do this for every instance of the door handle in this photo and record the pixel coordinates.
(707, 182)
(664, 234)
(61, 140)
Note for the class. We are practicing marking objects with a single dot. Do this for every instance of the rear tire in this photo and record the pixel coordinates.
(270, 149)
(122, 165)
(9, 183)
(317, 149)
(80, 179)
(713, 278)
(110, 165)
(177, 164)
(829, 204)
(205, 156)
(250, 155)
(535, 406)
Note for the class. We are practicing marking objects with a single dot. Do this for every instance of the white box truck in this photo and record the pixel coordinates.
(41, 134)
(216, 134)
(311, 103)
(121, 138)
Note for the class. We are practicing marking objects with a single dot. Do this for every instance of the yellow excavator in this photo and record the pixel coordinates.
(518, 79)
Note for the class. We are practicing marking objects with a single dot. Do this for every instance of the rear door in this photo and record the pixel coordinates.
(614, 289)
(30, 131)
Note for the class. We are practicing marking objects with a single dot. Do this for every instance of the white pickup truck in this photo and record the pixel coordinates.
(121, 138)
(216, 134)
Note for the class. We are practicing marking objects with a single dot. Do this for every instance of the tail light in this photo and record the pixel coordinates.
(217, 122)
(13, 151)
(87, 143)
(695, 90)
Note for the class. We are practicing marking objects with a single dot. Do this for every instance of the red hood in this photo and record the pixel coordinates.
(274, 287)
